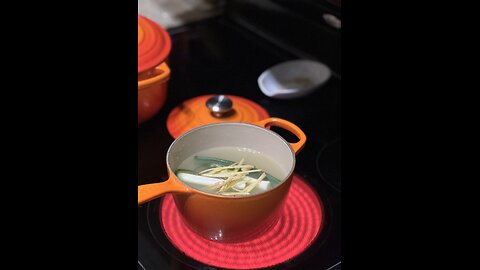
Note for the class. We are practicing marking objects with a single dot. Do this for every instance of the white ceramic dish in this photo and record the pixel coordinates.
(293, 79)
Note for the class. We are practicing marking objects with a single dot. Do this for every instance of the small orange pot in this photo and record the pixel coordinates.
(154, 46)
(220, 218)
(152, 93)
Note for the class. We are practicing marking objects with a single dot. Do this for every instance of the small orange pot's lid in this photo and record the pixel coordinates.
(154, 44)
(194, 112)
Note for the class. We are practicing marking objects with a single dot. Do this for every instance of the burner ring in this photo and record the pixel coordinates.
(296, 232)
(327, 164)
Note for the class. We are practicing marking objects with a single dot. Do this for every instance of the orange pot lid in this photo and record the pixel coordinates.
(154, 44)
(194, 112)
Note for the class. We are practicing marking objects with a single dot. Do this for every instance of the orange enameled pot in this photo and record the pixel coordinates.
(222, 218)
(154, 46)
(152, 93)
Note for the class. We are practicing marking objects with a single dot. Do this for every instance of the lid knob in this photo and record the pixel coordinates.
(219, 105)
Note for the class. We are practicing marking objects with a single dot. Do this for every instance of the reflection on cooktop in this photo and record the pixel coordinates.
(140, 266)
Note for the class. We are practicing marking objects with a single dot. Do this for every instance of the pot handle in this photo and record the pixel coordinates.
(160, 73)
(278, 122)
(149, 192)
(164, 68)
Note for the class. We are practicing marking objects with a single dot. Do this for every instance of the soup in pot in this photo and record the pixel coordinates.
(231, 171)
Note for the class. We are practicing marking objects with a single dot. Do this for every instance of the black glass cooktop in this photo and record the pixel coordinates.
(219, 57)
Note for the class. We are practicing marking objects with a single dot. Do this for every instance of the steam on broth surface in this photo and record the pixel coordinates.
(231, 171)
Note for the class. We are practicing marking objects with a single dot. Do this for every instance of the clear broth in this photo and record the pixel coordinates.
(252, 157)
